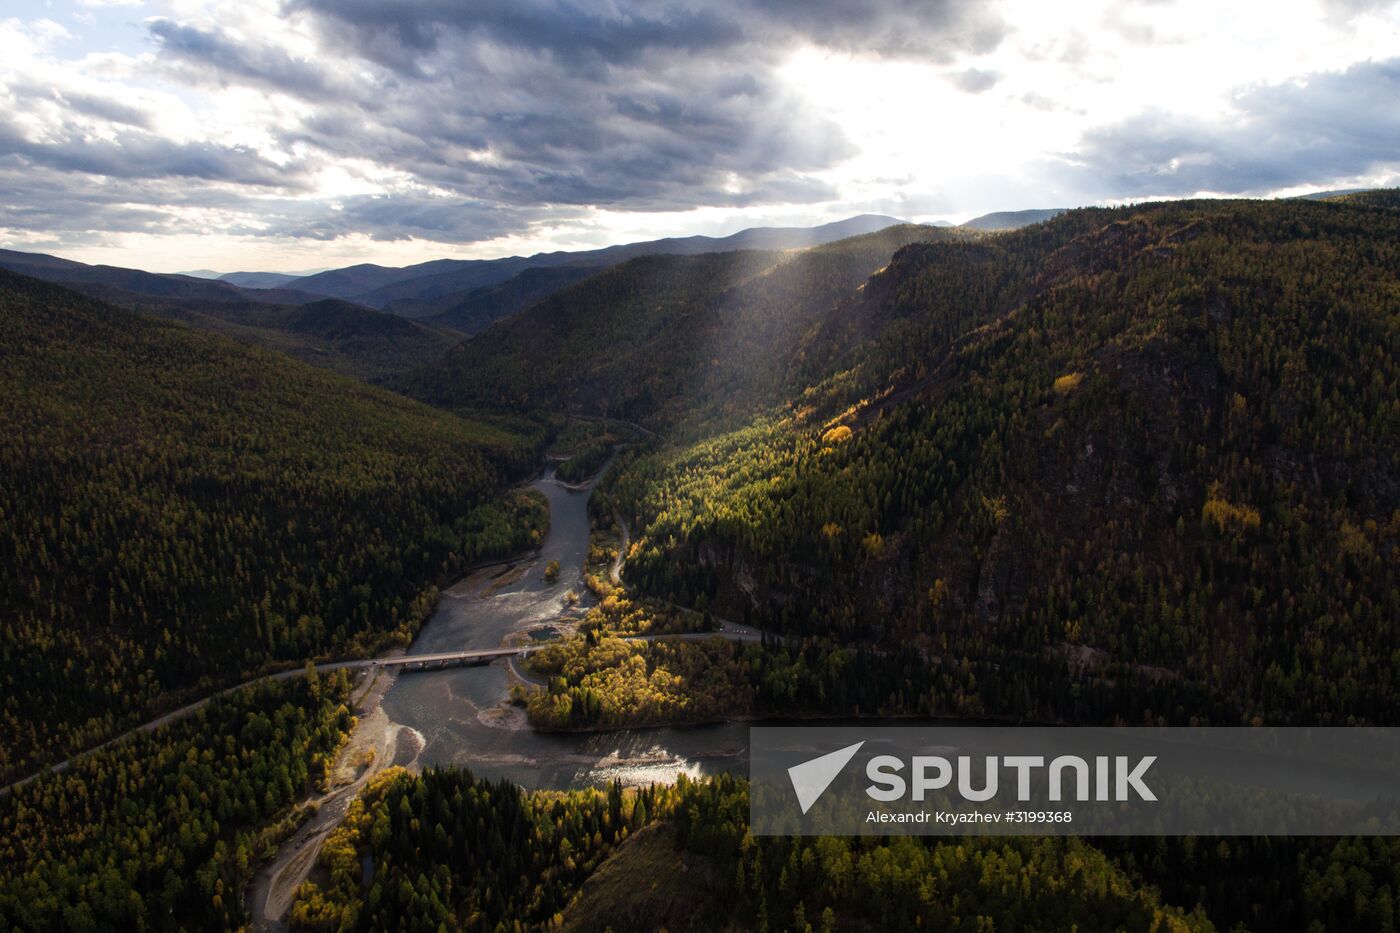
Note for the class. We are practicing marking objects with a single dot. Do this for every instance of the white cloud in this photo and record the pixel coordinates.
(286, 141)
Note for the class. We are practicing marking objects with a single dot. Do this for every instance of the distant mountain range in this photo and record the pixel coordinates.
(432, 288)
(258, 279)
(610, 343)
(336, 335)
(114, 283)
(418, 290)
(250, 279)
(446, 298)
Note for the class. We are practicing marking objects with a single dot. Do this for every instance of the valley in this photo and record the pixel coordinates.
(1121, 466)
(465, 718)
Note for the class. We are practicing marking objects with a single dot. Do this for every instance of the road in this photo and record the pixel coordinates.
(727, 630)
(185, 712)
(615, 571)
(471, 624)
(274, 886)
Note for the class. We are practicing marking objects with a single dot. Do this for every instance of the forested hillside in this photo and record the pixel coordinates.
(179, 510)
(447, 849)
(452, 852)
(1151, 447)
(476, 310)
(336, 335)
(163, 831)
(662, 336)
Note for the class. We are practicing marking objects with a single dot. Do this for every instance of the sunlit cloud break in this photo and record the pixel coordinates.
(280, 135)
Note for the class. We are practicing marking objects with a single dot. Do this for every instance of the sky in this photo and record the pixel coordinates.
(288, 135)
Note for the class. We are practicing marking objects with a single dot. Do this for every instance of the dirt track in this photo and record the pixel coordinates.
(274, 886)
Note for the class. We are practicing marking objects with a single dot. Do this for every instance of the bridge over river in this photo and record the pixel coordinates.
(422, 662)
(427, 662)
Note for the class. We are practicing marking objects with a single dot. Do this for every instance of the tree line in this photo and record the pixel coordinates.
(180, 511)
(163, 830)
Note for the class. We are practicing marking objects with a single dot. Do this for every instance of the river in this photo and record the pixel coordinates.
(462, 716)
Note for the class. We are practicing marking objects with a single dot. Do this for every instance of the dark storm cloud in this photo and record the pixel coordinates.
(592, 104)
(89, 105)
(401, 34)
(1332, 126)
(212, 54)
(523, 104)
(43, 199)
(405, 216)
(67, 214)
(40, 198)
(404, 36)
(130, 154)
(493, 115)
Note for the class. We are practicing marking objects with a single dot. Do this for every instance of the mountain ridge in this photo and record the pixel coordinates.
(366, 343)
(606, 343)
(102, 280)
(378, 286)
(1012, 220)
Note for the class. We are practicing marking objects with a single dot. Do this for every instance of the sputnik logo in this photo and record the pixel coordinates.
(811, 778)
